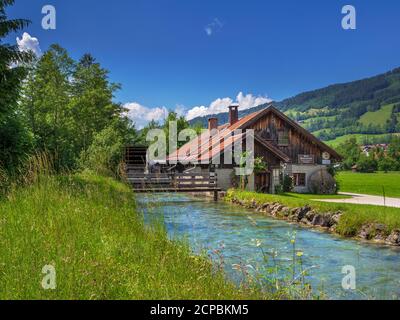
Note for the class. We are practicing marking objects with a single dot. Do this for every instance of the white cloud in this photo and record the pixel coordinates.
(180, 110)
(214, 26)
(221, 105)
(142, 115)
(29, 43)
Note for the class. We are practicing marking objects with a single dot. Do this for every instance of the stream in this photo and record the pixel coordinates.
(236, 231)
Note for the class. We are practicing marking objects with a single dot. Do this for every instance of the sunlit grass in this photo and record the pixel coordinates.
(378, 183)
(88, 228)
(316, 196)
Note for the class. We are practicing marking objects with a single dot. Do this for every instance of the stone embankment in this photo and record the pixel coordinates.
(328, 221)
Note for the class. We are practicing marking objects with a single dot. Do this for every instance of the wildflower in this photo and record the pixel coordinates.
(256, 242)
(274, 253)
(299, 254)
(293, 241)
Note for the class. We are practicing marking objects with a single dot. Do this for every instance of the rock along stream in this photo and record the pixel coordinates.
(209, 225)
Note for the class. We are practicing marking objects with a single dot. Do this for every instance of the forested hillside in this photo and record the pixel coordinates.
(369, 106)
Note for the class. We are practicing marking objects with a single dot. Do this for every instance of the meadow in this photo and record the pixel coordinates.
(87, 227)
(361, 138)
(379, 117)
(370, 183)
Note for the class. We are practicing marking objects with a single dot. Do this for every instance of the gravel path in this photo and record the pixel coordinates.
(365, 199)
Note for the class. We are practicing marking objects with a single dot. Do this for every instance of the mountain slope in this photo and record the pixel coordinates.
(368, 106)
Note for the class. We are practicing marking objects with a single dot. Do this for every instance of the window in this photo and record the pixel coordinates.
(283, 138)
(299, 179)
(265, 134)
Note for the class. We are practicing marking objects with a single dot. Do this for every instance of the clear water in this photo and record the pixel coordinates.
(208, 225)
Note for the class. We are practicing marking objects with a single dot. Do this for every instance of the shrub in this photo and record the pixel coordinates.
(105, 154)
(322, 182)
(387, 164)
(366, 164)
(279, 189)
(287, 184)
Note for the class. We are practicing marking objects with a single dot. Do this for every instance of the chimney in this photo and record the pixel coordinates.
(233, 114)
(213, 124)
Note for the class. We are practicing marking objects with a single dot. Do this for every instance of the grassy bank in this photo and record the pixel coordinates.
(353, 218)
(370, 183)
(87, 228)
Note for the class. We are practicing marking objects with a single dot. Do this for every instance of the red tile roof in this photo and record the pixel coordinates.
(205, 147)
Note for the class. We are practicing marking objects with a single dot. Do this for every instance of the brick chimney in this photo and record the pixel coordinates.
(212, 124)
(233, 114)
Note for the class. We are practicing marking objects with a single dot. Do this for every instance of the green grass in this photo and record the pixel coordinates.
(370, 183)
(315, 196)
(87, 227)
(379, 117)
(354, 216)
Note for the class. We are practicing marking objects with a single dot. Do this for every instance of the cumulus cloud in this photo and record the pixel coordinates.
(180, 110)
(142, 115)
(221, 105)
(214, 26)
(29, 43)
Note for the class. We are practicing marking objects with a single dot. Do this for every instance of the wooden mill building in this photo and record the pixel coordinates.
(285, 146)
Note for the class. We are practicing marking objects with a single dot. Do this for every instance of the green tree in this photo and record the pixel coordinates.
(15, 139)
(392, 123)
(105, 154)
(66, 104)
(143, 133)
(387, 164)
(91, 106)
(45, 104)
(394, 149)
(366, 164)
(350, 151)
(182, 124)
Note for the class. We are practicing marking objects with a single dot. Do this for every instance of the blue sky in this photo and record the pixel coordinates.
(179, 54)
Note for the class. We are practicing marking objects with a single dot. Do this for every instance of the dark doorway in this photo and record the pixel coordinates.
(262, 182)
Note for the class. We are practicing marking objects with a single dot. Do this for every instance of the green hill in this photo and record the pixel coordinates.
(379, 117)
(364, 107)
(363, 138)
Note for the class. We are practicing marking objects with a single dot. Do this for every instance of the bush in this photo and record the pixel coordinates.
(387, 164)
(279, 189)
(15, 143)
(105, 154)
(322, 182)
(287, 184)
(366, 164)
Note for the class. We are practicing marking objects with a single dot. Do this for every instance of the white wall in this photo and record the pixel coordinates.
(308, 170)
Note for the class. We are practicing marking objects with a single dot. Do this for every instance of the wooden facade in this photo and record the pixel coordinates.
(275, 128)
(281, 142)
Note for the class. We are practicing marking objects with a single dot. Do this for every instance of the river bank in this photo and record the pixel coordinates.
(366, 223)
(87, 231)
(234, 236)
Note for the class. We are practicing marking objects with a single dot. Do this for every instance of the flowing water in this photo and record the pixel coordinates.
(209, 225)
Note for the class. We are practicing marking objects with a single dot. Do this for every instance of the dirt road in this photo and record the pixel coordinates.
(365, 199)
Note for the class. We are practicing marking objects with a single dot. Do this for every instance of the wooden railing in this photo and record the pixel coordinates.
(177, 182)
(193, 180)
